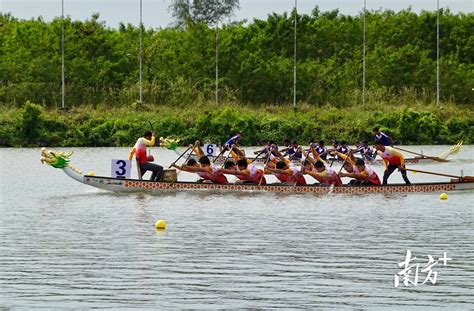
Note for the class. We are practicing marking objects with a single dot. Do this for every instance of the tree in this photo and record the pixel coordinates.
(207, 11)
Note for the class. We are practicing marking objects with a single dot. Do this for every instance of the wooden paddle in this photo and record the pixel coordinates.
(221, 153)
(185, 161)
(227, 158)
(265, 165)
(438, 159)
(179, 157)
(261, 152)
(463, 178)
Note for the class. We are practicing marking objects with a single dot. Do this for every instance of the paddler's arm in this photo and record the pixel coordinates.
(275, 170)
(183, 167)
(316, 155)
(233, 172)
(132, 152)
(197, 148)
(234, 155)
(149, 143)
(345, 157)
(195, 169)
(363, 175)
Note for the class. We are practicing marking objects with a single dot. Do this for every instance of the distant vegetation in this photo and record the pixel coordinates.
(256, 79)
(33, 125)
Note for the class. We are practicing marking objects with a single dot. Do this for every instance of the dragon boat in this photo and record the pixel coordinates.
(60, 160)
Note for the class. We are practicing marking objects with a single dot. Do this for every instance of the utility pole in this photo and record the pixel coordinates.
(62, 56)
(363, 56)
(294, 58)
(217, 56)
(141, 53)
(437, 53)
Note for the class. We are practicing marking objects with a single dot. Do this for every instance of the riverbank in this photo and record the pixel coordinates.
(33, 125)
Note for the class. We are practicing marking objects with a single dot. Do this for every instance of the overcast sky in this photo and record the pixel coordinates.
(156, 14)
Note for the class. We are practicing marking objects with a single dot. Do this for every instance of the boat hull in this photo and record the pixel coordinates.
(133, 185)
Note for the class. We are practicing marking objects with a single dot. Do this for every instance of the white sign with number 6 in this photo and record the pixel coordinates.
(121, 168)
(210, 149)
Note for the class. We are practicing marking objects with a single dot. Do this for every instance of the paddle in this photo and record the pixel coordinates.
(185, 161)
(265, 165)
(331, 187)
(180, 157)
(152, 132)
(463, 178)
(221, 153)
(227, 158)
(419, 154)
(258, 155)
(301, 169)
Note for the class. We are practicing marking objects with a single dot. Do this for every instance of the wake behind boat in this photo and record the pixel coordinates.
(61, 160)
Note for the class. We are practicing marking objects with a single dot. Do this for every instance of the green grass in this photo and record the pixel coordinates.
(413, 123)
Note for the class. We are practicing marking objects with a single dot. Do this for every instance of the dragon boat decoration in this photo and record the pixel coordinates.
(61, 160)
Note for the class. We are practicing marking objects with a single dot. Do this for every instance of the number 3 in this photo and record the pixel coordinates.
(121, 166)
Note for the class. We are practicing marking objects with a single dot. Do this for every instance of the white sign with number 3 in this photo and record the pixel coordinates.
(210, 149)
(121, 168)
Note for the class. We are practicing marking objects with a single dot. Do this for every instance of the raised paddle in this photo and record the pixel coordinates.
(424, 156)
(221, 153)
(179, 157)
(227, 158)
(258, 155)
(185, 161)
(265, 165)
(463, 178)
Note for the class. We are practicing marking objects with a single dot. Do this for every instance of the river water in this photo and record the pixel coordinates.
(64, 245)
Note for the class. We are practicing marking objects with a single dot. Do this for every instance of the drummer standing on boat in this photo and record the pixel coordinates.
(392, 160)
(139, 150)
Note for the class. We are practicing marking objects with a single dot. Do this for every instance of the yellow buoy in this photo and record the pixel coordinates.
(160, 224)
(443, 196)
(91, 173)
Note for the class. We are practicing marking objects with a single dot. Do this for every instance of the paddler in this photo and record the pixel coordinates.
(294, 151)
(343, 148)
(245, 172)
(210, 170)
(324, 174)
(362, 173)
(140, 152)
(192, 163)
(286, 173)
(366, 151)
(322, 150)
(384, 138)
(392, 160)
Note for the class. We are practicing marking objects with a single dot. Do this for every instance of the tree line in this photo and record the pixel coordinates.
(255, 60)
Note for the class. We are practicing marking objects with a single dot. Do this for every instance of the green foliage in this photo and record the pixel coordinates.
(32, 122)
(32, 125)
(255, 60)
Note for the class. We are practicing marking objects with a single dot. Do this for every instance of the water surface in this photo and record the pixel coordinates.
(67, 245)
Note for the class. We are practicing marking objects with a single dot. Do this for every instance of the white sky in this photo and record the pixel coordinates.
(155, 12)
